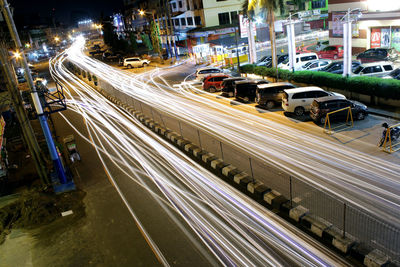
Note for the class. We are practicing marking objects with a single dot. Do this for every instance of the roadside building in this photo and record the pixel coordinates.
(377, 27)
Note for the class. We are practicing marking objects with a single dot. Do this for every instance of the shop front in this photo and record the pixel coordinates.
(385, 37)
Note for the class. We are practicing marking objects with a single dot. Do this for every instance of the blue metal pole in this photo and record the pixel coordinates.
(52, 149)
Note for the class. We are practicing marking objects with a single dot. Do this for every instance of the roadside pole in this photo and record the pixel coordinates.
(27, 131)
(172, 30)
(39, 110)
(237, 35)
(291, 43)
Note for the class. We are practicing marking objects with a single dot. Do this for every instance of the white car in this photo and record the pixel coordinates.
(299, 100)
(204, 72)
(316, 64)
(135, 62)
(301, 59)
(376, 69)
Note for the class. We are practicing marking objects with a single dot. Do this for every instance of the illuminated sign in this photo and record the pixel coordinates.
(383, 5)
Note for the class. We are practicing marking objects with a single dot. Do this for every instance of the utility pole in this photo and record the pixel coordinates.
(27, 131)
(172, 29)
(36, 101)
(169, 46)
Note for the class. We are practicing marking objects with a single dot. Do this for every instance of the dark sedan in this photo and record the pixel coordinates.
(322, 106)
(377, 54)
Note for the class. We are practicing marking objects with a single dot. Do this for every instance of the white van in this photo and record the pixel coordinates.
(301, 59)
(299, 100)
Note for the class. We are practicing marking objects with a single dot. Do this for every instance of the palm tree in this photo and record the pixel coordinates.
(269, 6)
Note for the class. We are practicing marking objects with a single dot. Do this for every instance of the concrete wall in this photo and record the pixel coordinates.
(212, 8)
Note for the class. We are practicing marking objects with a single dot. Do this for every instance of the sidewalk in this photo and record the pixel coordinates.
(392, 113)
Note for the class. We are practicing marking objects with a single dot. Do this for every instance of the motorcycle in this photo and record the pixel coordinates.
(394, 133)
(73, 153)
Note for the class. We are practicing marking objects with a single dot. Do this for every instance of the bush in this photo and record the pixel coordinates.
(248, 68)
(388, 88)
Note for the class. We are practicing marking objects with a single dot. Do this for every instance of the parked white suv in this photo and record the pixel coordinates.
(204, 72)
(299, 100)
(301, 59)
(376, 69)
(133, 62)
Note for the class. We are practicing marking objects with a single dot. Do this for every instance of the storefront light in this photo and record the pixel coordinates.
(383, 5)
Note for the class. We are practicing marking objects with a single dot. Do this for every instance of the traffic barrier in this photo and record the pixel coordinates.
(328, 121)
(376, 258)
(388, 146)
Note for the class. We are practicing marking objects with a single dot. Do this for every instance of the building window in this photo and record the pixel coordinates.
(234, 17)
(180, 4)
(173, 5)
(176, 22)
(197, 20)
(183, 21)
(190, 21)
(223, 18)
(318, 4)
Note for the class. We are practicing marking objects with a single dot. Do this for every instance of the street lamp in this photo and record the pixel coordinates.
(142, 12)
(291, 41)
(57, 39)
(347, 34)
(17, 55)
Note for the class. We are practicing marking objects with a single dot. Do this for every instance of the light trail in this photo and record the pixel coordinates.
(237, 232)
(370, 183)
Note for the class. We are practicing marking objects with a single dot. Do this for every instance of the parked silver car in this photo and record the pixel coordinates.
(376, 69)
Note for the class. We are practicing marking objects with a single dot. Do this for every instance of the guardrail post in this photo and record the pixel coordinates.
(222, 152)
(344, 220)
(198, 134)
(251, 169)
(180, 128)
(152, 114)
(290, 191)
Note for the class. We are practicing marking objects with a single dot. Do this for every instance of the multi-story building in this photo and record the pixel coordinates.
(378, 25)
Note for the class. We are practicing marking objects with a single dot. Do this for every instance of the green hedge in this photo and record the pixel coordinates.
(387, 88)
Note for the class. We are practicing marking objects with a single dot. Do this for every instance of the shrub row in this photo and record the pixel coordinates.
(373, 86)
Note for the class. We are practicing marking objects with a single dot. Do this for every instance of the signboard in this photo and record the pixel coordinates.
(375, 38)
(337, 25)
(396, 39)
(244, 27)
(316, 12)
(385, 38)
(225, 31)
(304, 14)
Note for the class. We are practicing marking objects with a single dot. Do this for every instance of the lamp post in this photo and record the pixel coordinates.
(291, 41)
(35, 97)
(347, 44)
(156, 31)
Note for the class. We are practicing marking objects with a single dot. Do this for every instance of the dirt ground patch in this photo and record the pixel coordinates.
(35, 208)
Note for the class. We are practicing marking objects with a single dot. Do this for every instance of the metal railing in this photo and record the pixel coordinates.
(328, 120)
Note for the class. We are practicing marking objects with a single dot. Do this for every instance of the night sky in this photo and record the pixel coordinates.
(65, 11)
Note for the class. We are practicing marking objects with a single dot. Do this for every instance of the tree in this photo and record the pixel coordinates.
(268, 6)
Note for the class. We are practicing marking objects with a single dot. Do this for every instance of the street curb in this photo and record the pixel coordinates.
(299, 216)
(395, 117)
